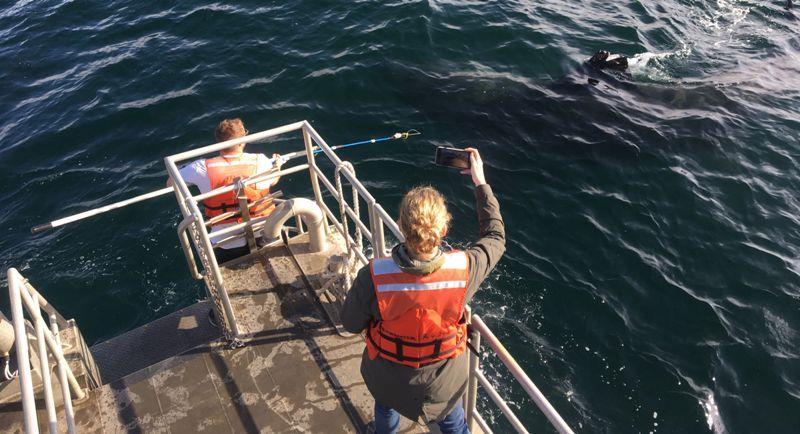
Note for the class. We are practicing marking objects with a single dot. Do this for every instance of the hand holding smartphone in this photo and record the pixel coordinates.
(467, 160)
(453, 157)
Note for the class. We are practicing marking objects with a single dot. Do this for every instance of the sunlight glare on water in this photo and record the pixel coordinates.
(651, 275)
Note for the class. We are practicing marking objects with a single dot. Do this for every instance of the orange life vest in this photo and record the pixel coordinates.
(422, 317)
(224, 171)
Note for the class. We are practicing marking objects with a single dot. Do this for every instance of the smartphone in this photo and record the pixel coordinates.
(453, 157)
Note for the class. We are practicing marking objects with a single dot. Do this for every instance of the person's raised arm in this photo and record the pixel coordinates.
(476, 168)
(491, 244)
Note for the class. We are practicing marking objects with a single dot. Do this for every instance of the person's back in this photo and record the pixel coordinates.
(411, 306)
(231, 164)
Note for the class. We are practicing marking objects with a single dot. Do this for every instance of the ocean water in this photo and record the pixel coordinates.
(652, 278)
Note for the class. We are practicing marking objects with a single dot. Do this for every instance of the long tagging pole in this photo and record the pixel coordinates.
(161, 192)
(102, 209)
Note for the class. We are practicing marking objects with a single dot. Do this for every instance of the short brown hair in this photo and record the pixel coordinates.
(423, 218)
(230, 129)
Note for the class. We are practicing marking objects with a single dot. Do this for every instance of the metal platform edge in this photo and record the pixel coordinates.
(158, 340)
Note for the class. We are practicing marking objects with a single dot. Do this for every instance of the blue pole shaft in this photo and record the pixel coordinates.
(363, 142)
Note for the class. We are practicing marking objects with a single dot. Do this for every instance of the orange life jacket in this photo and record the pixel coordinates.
(224, 171)
(422, 317)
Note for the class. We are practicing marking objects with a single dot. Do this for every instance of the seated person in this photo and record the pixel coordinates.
(232, 163)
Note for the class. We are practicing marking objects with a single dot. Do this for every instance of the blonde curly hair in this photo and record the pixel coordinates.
(423, 219)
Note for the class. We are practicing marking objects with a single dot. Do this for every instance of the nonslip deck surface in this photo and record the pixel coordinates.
(295, 373)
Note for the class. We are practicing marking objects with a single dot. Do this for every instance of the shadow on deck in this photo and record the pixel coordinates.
(295, 372)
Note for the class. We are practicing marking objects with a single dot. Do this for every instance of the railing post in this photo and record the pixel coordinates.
(472, 383)
(343, 215)
(359, 237)
(23, 362)
(370, 203)
(69, 413)
(44, 365)
(312, 171)
(379, 244)
(244, 208)
(216, 275)
(214, 284)
(183, 226)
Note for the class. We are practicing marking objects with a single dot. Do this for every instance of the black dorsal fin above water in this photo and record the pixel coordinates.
(605, 60)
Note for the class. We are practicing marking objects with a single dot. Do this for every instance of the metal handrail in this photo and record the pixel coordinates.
(374, 233)
(183, 227)
(48, 344)
(378, 218)
(519, 374)
(193, 229)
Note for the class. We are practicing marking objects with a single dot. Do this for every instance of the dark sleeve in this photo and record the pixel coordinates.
(491, 244)
(360, 306)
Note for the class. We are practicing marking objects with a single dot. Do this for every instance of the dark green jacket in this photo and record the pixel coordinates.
(429, 393)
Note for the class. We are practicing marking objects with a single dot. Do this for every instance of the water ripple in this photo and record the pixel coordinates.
(651, 278)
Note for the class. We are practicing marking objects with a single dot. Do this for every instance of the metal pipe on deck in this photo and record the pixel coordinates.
(312, 216)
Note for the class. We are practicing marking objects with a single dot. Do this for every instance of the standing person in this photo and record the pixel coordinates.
(232, 163)
(411, 306)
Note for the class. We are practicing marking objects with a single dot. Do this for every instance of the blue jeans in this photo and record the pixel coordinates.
(387, 421)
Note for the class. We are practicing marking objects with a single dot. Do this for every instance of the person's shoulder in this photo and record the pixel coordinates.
(196, 165)
(365, 272)
(259, 157)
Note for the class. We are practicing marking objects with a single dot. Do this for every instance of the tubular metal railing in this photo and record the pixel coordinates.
(194, 228)
(195, 238)
(482, 333)
(48, 344)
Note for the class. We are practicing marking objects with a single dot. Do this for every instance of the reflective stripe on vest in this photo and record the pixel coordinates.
(224, 171)
(422, 316)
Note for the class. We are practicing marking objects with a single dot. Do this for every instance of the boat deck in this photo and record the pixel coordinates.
(295, 372)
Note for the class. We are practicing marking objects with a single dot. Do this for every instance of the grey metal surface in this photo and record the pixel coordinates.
(295, 374)
(151, 343)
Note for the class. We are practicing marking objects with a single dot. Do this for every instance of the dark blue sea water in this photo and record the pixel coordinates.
(652, 279)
